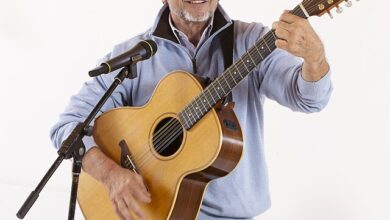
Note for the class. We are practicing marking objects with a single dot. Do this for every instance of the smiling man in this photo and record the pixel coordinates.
(189, 36)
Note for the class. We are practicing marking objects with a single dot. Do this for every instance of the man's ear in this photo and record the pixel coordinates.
(164, 1)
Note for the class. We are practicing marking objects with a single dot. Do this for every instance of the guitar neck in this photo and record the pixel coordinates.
(230, 78)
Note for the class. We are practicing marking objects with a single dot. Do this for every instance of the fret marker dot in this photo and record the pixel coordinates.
(235, 73)
(247, 61)
(262, 48)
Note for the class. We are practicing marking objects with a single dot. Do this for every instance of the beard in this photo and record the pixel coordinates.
(187, 16)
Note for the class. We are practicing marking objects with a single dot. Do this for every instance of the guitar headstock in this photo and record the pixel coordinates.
(320, 7)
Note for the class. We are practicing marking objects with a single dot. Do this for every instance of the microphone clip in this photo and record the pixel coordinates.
(131, 69)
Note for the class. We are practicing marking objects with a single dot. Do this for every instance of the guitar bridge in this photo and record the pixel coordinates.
(126, 158)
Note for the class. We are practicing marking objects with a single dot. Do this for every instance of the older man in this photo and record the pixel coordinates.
(188, 34)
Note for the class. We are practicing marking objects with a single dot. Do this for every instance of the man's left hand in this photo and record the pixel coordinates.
(297, 36)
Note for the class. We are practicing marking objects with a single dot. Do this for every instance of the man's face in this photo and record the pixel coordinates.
(193, 10)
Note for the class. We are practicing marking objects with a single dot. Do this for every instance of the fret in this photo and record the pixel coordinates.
(197, 108)
(217, 80)
(254, 63)
(235, 72)
(223, 76)
(190, 115)
(194, 112)
(186, 122)
(182, 119)
(300, 11)
(266, 45)
(271, 38)
(204, 99)
(187, 115)
(244, 65)
(208, 89)
(217, 88)
(273, 34)
(254, 53)
(234, 80)
(216, 91)
(237, 77)
(211, 92)
(199, 99)
(262, 48)
(248, 64)
(258, 51)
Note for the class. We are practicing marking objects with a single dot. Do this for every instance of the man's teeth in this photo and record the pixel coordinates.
(196, 2)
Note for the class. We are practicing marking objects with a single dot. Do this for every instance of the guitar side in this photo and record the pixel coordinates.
(210, 149)
(187, 207)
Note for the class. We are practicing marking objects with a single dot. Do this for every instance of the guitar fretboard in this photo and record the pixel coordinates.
(230, 78)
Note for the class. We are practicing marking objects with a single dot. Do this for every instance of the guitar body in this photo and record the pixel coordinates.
(177, 176)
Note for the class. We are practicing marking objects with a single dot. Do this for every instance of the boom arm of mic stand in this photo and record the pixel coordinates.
(74, 147)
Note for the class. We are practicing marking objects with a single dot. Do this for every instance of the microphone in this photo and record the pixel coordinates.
(142, 51)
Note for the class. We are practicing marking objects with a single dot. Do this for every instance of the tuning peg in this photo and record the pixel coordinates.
(339, 9)
(348, 3)
(330, 14)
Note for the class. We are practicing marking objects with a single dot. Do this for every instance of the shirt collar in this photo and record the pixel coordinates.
(180, 36)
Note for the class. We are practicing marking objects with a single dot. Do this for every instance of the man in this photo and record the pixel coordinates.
(187, 35)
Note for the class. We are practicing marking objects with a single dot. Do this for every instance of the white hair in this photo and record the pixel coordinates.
(187, 16)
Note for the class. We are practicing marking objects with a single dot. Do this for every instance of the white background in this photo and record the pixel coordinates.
(329, 165)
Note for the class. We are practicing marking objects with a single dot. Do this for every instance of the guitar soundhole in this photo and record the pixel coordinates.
(167, 137)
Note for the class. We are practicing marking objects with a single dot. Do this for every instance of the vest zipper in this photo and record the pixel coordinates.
(194, 65)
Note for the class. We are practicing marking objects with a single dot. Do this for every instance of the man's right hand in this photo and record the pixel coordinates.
(126, 188)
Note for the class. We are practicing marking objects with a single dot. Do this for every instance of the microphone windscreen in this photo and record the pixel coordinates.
(151, 47)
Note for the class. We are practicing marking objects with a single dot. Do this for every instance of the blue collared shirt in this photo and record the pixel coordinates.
(243, 193)
(184, 41)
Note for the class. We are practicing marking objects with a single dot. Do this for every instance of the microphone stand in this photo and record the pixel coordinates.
(74, 147)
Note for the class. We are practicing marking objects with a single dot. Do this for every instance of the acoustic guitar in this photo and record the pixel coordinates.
(179, 143)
